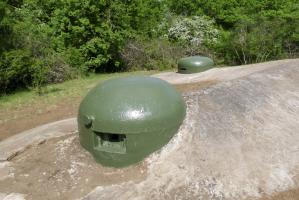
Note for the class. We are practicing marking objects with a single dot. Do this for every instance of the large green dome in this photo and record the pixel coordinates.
(141, 113)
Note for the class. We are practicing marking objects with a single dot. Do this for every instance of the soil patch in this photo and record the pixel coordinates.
(67, 172)
(190, 87)
(287, 195)
(23, 118)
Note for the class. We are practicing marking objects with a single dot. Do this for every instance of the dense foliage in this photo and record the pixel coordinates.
(48, 41)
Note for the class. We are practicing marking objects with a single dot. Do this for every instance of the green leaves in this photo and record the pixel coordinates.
(259, 40)
(50, 37)
(15, 69)
(99, 28)
(194, 31)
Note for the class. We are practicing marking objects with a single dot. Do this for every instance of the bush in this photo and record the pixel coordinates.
(195, 31)
(157, 54)
(73, 58)
(59, 71)
(196, 34)
(20, 69)
(259, 40)
(15, 70)
(51, 41)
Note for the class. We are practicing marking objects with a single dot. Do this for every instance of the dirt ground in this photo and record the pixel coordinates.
(287, 195)
(25, 118)
(68, 171)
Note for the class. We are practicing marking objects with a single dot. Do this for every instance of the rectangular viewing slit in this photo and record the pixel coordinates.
(183, 68)
(110, 142)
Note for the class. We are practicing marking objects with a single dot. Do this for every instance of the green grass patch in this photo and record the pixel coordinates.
(55, 92)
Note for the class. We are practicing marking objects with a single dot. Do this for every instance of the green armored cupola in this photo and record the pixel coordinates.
(194, 64)
(125, 119)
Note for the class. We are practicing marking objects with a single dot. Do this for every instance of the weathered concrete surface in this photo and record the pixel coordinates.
(17, 143)
(12, 196)
(240, 140)
(60, 169)
(223, 74)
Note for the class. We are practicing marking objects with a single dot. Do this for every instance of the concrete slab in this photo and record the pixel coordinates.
(12, 196)
(224, 73)
(17, 143)
(240, 140)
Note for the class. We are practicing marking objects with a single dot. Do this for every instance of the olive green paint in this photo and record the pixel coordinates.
(125, 119)
(194, 64)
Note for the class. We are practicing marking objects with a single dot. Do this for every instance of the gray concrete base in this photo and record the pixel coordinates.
(12, 196)
(19, 142)
(240, 140)
(224, 73)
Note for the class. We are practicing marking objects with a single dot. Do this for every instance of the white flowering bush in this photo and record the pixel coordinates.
(194, 31)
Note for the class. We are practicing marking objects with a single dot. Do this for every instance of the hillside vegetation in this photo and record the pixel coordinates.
(50, 41)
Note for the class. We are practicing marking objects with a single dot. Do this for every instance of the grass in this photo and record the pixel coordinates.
(56, 92)
(24, 110)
